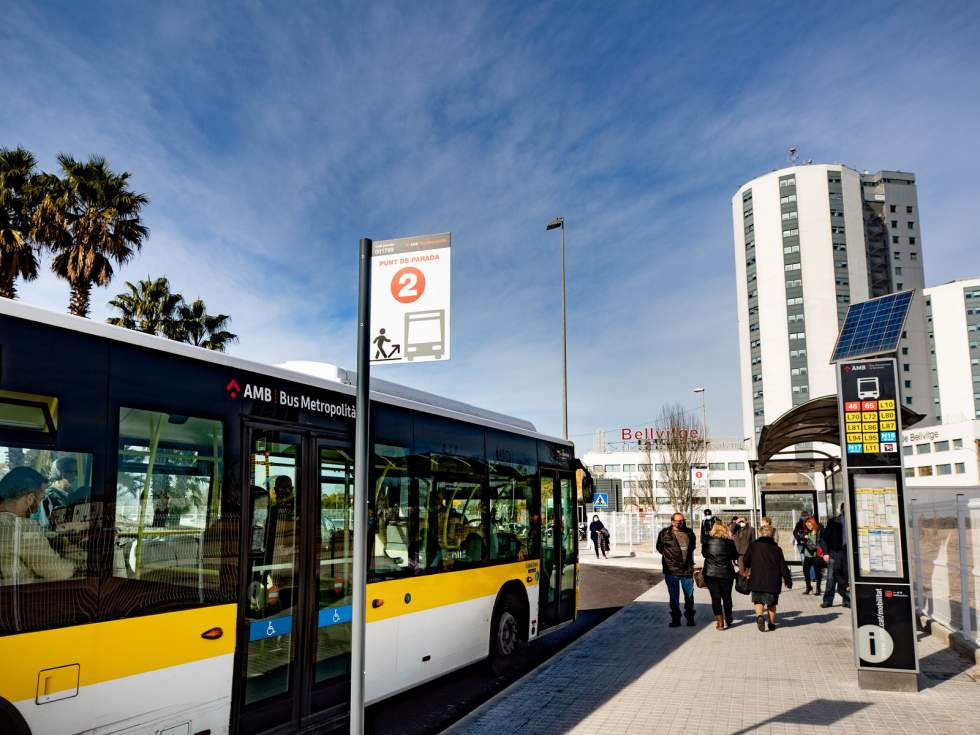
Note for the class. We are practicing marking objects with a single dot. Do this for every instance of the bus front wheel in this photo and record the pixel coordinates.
(505, 630)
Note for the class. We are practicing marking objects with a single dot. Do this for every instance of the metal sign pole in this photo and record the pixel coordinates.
(361, 447)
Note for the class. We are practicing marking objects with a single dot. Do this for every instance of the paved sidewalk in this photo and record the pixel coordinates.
(633, 674)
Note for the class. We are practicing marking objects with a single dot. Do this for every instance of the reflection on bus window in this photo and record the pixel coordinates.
(168, 497)
(393, 539)
(45, 512)
(459, 530)
(511, 498)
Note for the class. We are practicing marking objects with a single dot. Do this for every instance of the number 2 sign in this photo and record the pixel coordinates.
(408, 285)
(410, 301)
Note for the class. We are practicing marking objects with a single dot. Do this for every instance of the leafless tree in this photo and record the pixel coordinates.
(683, 448)
(645, 494)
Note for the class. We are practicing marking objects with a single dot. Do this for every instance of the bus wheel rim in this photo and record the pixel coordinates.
(507, 634)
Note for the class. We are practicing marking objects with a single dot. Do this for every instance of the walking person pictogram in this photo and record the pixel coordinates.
(380, 342)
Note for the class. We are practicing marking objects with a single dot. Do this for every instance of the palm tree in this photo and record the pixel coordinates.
(89, 219)
(148, 306)
(18, 254)
(202, 329)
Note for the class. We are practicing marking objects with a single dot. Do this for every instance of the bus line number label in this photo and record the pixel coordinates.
(408, 285)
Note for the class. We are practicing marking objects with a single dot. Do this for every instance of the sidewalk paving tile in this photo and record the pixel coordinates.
(633, 674)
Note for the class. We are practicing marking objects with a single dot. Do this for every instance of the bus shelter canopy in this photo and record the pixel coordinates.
(814, 421)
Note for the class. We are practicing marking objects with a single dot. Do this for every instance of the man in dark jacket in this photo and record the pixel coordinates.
(706, 525)
(676, 547)
(834, 543)
(765, 563)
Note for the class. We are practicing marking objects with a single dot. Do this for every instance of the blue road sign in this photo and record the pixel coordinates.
(600, 500)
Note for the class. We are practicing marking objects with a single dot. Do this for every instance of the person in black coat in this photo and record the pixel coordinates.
(706, 525)
(599, 536)
(766, 565)
(834, 550)
(720, 557)
(676, 547)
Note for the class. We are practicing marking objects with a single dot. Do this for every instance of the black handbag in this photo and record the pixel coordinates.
(742, 584)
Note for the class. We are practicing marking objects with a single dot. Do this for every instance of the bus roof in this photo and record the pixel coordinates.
(319, 374)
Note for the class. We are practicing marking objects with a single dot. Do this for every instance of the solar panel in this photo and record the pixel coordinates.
(873, 327)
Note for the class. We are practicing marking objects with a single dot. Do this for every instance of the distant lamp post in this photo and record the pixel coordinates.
(704, 421)
(704, 443)
(555, 224)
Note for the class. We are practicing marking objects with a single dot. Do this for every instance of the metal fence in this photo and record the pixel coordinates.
(634, 532)
(945, 540)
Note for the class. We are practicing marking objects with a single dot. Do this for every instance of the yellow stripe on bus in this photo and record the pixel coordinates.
(114, 649)
(435, 590)
(120, 648)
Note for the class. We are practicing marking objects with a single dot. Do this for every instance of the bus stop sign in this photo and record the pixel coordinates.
(410, 299)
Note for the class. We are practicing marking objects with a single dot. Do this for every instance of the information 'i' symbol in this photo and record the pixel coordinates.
(408, 285)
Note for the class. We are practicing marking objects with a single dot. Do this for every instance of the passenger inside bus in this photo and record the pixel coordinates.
(64, 473)
(25, 554)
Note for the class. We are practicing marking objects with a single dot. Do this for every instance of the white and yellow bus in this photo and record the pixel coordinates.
(176, 536)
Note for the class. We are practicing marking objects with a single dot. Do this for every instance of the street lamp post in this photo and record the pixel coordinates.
(559, 223)
(704, 441)
(704, 421)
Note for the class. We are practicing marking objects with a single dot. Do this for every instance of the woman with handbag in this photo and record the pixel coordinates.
(720, 557)
(600, 537)
(811, 560)
(766, 565)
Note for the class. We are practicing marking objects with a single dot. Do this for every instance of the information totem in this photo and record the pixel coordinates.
(883, 611)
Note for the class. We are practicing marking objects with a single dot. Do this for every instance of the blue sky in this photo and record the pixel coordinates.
(271, 136)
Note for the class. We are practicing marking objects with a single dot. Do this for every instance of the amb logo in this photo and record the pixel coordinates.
(258, 392)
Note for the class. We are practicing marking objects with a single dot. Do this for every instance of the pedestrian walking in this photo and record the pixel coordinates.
(744, 536)
(720, 557)
(600, 537)
(767, 521)
(676, 544)
(706, 525)
(766, 565)
(799, 532)
(812, 563)
(834, 549)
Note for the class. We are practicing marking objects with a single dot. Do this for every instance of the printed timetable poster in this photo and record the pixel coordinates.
(878, 523)
(869, 407)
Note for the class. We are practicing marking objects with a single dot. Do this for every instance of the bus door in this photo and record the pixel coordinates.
(294, 659)
(559, 549)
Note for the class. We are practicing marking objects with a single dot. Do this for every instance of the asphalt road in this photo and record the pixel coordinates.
(431, 708)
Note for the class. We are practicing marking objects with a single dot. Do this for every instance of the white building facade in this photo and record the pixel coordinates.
(942, 455)
(809, 240)
(643, 474)
(953, 321)
(945, 449)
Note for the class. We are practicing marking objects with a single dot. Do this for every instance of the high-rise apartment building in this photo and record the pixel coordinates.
(809, 240)
(953, 324)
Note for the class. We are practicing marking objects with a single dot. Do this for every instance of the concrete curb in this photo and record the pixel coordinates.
(459, 727)
(953, 640)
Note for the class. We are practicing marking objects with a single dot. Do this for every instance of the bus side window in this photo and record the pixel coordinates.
(391, 538)
(456, 524)
(45, 514)
(168, 501)
(510, 519)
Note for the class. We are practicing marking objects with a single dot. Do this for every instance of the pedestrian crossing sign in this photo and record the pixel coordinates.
(600, 500)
